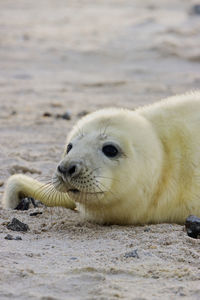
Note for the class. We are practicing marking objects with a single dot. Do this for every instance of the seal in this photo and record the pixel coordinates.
(127, 167)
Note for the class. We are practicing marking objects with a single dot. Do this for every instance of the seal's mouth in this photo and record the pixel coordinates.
(84, 196)
(74, 191)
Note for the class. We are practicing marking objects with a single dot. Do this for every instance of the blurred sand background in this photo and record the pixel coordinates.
(75, 56)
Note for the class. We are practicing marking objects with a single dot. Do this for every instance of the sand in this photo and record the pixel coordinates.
(72, 56)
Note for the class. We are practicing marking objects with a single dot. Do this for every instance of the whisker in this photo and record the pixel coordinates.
(107, 191)
(113, 179)
(42, 188)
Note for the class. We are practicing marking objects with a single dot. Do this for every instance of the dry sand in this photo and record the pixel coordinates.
(76, 55)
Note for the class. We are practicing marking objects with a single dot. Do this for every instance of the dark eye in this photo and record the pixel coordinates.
(69, 147)
(110, 150)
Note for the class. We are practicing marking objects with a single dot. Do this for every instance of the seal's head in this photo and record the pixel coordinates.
(103, 160)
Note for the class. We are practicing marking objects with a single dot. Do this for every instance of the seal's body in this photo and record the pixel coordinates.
(127, 167)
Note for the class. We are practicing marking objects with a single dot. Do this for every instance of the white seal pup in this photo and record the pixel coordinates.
(127, 167)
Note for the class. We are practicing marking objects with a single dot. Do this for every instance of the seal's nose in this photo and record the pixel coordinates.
(73, 169)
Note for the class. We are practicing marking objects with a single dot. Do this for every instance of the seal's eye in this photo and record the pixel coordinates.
(110, 150)
(69, 147)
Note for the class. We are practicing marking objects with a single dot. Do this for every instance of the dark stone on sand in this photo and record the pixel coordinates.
(196, 9)
(192, 226)
(10, 237)
(35, 213)
(26, 37)
(65, 116)
(47, 114)
(24, 203)
(1, 183)
(17, 225)
(133, 253)
(82, 113)
(147, 229)
(13, 113)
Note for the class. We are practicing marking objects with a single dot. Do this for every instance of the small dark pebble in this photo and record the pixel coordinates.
(82, 113)
(10, 237)
(24, 203)
(32, 200)
(151, 7)
(65, 116)
(196, 9)
(47, 114)
(73, 258)
(13, 113)
(133, 253)
(26, 37)
(35, 213)
(147, 229)
(17, 225)
(192, 226)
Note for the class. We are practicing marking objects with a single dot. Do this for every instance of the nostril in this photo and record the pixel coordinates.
(61, 170)
(72, 170)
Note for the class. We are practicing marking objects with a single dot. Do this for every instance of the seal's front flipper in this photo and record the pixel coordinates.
(20, 186)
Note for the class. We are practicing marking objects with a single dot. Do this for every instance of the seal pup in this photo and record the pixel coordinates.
(127, 167)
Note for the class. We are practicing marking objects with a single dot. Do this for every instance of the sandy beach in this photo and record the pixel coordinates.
(77, 56)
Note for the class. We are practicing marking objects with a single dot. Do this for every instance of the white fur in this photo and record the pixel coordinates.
(24, 186)
(157, 179)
